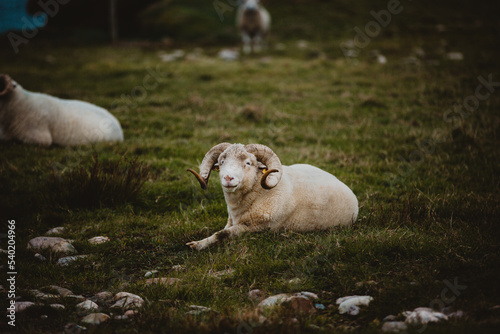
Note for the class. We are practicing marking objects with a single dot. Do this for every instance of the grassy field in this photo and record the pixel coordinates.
(426, 174)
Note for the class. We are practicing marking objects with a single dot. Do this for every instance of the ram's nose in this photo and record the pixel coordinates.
(228, 178)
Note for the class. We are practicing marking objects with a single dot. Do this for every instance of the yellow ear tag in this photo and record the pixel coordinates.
(216, 168)
(264, 171)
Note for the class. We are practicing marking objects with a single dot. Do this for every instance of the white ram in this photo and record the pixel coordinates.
(260, 193)
(36, 118)
(253, 22)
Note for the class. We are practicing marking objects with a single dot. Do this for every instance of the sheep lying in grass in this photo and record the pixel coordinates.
(260, 193)
(253, 22)
(36, 118)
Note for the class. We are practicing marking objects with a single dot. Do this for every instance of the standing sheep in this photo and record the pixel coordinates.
(253, 22)
(36, 118)
(260, 193)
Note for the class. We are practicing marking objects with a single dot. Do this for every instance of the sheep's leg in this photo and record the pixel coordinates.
(229, 223)
(226, 233)
(257, 44)
(36, 136)
(247, 41)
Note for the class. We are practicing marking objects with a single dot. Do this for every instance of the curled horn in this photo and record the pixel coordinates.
(208, 163)
(264, 154)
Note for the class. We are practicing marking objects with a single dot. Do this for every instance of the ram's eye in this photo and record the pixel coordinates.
(248, 163)
(221, 162)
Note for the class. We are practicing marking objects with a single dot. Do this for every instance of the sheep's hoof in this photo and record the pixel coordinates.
(194, 245)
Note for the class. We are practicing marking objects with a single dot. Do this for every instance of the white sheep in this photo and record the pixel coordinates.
(253, 22)
(260, 193)
(36, 118)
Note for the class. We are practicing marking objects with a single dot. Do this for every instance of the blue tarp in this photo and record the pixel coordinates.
(14, 17)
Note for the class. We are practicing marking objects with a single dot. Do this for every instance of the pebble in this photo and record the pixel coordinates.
(60, 291)
(163, 280)
(319, 306)
(169, 57)
(53, 244)
(95, 318)
(98, 240)
(273, 300)
(40, 257)
(21, 306)
(346, 304)
(55, 230)
(131, 313)
(228, 55)
(65, 261)
(456, 56)
(127, 300)
(422, 316)
(57, 306)
(103, 297)
(394, 327)
(196, 309)
(151, 273)
(87, 306)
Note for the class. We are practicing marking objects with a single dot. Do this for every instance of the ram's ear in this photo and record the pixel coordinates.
(215, 167)
(261, 165)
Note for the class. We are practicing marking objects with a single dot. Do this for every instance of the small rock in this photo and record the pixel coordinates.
(151, 273)
(163, 280)
(40, 257)
(319, 306)
(390, 318)
(98, 240)
(302, 44)
(103, 297)
(308, 295)
(394, 327)
(21, 306)
(295, 280)
(76, 298)
(95, 318)
(256, 295)
(87, 306)
(169, 57)
(456, 56)
(423, 315)
(53, 244)
(44, 317)
(131, 313)
(273, 300)
(42, 295)
(121, 317)
(55, 230)
(196, 309)
(228, 55)
(381, 59)
(57, 306)
(59, 290)
(345, 303)
(127, 301)
(65, 261)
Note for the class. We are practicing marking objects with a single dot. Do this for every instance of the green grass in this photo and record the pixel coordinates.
(428, 191)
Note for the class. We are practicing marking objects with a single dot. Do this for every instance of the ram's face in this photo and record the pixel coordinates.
(238, 170)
